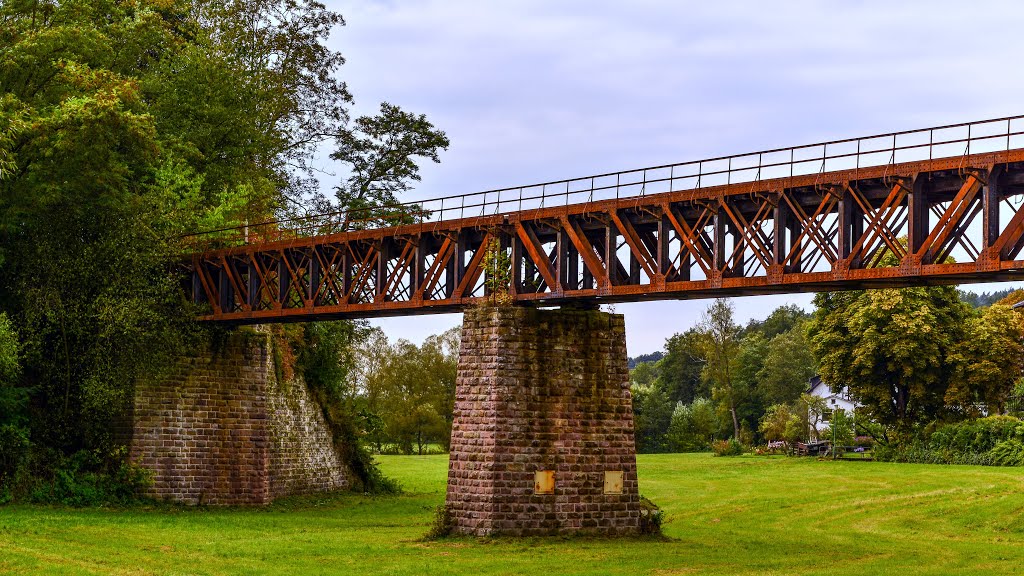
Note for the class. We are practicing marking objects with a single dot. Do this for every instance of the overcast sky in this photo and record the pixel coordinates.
(531, 91)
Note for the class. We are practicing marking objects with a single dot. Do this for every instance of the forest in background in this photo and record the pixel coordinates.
(914, 359)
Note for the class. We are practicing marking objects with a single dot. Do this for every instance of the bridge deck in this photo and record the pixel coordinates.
(943, 220)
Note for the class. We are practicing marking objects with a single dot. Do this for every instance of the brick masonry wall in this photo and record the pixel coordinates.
(221, 429)
(542, 390)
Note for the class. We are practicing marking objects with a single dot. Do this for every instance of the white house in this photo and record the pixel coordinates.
(834, 399)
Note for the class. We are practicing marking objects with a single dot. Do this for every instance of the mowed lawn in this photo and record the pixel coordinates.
(746, 515)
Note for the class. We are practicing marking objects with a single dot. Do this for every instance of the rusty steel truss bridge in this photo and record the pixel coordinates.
(923, 207)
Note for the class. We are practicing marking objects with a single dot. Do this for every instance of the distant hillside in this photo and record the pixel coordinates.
(983, 299)
(652, 357)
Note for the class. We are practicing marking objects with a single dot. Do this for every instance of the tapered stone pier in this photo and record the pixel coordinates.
(542, 440)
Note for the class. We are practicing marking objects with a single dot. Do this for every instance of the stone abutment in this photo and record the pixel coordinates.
(223, 428)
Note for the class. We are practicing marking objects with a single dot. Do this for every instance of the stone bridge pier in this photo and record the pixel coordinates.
(542, 439)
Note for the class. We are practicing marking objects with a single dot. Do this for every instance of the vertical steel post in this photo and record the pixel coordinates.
(517, 261)
(917, 217)
(561, 259)
(847, 206)
(719, 239)
(284, 280)
(224, 289)
(315, 275)
(780, 224)
(990, 207)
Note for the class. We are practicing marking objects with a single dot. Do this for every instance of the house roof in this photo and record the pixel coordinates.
(813, 383)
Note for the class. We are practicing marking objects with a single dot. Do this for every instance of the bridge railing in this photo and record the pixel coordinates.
(953, 140)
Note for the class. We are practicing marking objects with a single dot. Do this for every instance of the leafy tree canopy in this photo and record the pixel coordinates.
(891, 348)
(679, 372)
(721, 340)
(787, 367)
(381, 152)
(651, 357)
(412, 390)
(988, 362)
(782, 319)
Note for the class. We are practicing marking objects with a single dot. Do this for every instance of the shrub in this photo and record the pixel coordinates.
(991, 441)
(692, 426)
(730, 447)
(443, 523)
(86, 478)
(918, 452)
(979, 435)
(840, 428)
(651, 517)
(1008, 453)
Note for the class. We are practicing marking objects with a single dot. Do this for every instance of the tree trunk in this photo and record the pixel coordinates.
(901, 404)
(735, 421)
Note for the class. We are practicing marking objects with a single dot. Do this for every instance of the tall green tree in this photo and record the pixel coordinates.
(787, 367)
(81, 234)
(679, 372)
(892, 348)
(721, 348)
(988, 362)
(748, 365)
(381, 152)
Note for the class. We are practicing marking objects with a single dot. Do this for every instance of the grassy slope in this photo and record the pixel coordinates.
(725, 516)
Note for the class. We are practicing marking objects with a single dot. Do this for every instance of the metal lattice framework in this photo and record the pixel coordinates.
(934, 206)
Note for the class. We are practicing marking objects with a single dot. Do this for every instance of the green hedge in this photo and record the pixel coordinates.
(991, 441)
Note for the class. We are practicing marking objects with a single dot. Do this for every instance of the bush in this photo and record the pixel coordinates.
(692, 427)
(978, 436)
(840, 428)
(730, 447)
(86, 478)
(1008, 453)
(77, 484)
(443, 523)
(918, 453)
(991, 441)
(651, 517)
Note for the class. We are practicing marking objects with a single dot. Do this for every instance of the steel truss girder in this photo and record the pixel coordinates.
(896, 225)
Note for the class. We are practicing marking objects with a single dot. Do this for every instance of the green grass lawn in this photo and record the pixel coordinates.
(747, 515)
